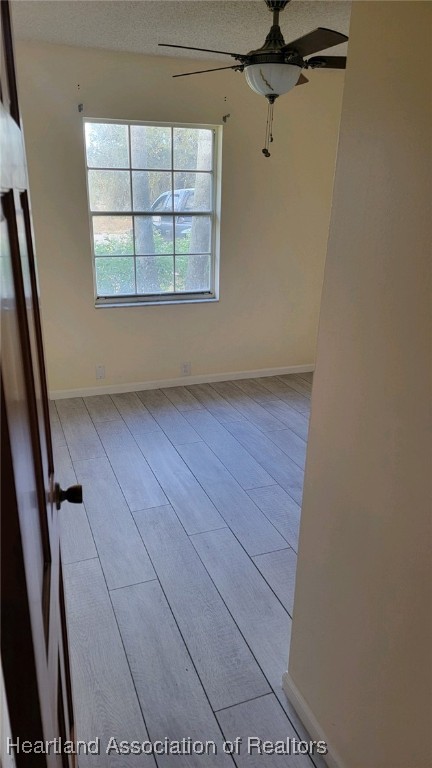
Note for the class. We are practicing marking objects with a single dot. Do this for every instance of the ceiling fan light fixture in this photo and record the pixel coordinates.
(272, 79)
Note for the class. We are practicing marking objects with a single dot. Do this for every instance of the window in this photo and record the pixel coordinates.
(153, 195)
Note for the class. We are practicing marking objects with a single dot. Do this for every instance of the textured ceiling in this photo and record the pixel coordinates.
(137, 27)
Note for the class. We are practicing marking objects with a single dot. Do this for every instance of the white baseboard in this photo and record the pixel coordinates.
(136, 386)
(309, 720)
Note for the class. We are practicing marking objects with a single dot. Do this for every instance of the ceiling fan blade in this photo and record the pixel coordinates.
(201, 71)
(318, 40)
(327, 62)
(302, 80)
(239, 56)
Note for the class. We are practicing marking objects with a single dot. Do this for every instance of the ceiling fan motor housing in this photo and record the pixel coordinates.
(263, 56)
(274, 50)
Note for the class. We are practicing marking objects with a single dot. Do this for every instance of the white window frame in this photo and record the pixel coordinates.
(132, 300)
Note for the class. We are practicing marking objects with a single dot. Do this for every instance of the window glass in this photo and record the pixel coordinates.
(151, 191)
(107, 145)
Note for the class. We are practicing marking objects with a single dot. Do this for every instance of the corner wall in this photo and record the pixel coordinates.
(360, 662)
(274, 224)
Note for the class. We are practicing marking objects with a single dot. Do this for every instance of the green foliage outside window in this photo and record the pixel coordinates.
(115, 275)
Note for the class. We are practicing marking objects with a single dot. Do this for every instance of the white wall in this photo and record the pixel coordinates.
(360, 661)
(275, 217)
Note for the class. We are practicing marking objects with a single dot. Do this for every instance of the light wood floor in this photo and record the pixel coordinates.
(180, 567)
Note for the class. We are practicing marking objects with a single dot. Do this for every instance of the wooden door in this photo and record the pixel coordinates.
(34, 649)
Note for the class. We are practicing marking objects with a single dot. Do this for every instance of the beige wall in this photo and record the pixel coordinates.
(360, 661)
(275, 217)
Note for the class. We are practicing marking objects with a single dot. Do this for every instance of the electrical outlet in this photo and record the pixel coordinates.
(100, 371)
(186, 369)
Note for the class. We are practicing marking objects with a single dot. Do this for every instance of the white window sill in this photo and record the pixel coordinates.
(106, 304)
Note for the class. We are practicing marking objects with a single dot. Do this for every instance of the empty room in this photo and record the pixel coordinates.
(216, 384)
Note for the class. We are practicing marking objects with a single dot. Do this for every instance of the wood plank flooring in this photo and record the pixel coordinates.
(260, 719)
(180, 565)
(223, 660)
(254, 531)
(151, 636)
(104, 691)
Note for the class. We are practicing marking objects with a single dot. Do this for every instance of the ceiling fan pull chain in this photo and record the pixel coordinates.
(271, 110)
(269, 129)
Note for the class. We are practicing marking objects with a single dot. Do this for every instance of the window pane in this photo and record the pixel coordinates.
(107, 145)
(153, 235)
(109, 190)
(112, 235)
(193, 149)
(192, 273)
(151, 190)
(150, 146)
(115, 276)
(193, 234)
(194, 191)
(155, 274)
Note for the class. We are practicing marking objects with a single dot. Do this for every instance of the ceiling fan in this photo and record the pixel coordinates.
(276, 67)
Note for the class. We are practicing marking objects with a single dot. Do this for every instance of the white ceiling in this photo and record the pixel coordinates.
(137, 26)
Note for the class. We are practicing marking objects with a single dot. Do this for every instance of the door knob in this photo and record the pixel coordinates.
(73, 495)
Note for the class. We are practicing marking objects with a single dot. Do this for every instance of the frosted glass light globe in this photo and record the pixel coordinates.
(272, 79)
